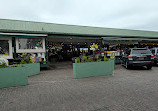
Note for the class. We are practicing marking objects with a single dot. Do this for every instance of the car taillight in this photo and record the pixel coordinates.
(129, 57)
(152, 57)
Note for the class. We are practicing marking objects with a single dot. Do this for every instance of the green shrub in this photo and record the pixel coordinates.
(3, 64)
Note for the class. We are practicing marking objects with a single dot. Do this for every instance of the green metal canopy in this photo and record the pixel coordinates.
(51, 28)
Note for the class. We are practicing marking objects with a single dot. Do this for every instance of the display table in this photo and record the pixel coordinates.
(90, 69)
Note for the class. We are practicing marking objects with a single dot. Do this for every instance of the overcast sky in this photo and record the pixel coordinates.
(125, 14)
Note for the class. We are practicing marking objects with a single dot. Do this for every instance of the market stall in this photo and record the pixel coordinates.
(13, 46)
(6, 48)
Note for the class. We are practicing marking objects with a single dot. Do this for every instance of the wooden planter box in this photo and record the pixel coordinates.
(90, 69)
(13, 76)
(32, 69)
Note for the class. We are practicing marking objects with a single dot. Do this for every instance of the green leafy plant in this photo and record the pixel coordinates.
(3, 64)
(89, 59)
(15, 65)
(78, 60)
(105, 58)
(30, 61)
(85, 59)
(25, 58)
(22, 61)
(98, 60)
(112, 57)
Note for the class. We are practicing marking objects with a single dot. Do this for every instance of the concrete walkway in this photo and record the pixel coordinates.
(56, 90)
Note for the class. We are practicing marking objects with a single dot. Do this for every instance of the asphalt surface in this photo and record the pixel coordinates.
(56, 90)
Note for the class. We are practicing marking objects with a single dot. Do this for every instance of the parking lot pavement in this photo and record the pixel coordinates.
(56, 90)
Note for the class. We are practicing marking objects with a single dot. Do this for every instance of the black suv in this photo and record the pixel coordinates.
(137, 57)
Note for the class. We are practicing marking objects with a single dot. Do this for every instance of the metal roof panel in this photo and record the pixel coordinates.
(51, 28)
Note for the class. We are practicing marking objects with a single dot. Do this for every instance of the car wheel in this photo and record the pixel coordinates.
(149, 67)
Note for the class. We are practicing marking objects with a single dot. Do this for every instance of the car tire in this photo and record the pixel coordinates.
(149, 67)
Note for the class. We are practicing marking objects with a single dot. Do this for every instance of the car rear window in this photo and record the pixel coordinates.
(141, 51)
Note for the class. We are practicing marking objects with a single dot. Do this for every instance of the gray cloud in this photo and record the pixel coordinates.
(127, 14)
